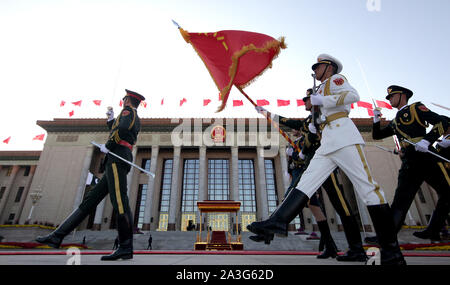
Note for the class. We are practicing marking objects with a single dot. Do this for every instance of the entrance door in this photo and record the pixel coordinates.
(219, 222)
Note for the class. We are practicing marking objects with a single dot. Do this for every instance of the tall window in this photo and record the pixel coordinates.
(140, 205)
(218, 176)
(190, 192)
(27, 171)
(272, 197)
(19, 194)
(166, 186)
(247, 192)
(146, 164)
(218, 189)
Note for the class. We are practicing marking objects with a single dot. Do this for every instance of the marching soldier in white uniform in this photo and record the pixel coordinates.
(341, 146)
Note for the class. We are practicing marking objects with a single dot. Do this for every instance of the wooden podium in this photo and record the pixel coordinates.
(218, 240)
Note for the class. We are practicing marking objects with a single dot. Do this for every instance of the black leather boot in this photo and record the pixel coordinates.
(125, 230)
(282, 216)
(125, 251)
(437, 221)
(386, 233)
(328, 242)
(69, 224)
(258, 238)
(356, 250)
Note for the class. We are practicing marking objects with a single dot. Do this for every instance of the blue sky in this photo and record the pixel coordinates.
(93, 50)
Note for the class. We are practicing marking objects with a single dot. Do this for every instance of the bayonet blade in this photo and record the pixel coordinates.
(385, 149)
(176, 24)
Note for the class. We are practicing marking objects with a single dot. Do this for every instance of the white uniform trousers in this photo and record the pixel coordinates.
(352, 161)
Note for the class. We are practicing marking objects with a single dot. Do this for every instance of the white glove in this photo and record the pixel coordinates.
(376, 115)
(260, 109)
(289, 151)
(110, 114)
(445, 143)
(422, 146)
(103, 148)
(312, 128)
(301, 155)
(316, 100)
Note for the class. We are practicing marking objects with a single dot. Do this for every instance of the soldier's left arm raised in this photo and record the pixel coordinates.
(339, 92)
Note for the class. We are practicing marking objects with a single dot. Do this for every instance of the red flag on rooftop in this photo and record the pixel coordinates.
(7, 140)
(282, 103)
(206, 102)
(71, 113)
(237, 103)
(383, 104)
(77, 103)
(97, 102)
(183, 101)
(300, 102)
(364, 105)
(162, 101)
(39, 137)
(62, 103)
(234, 57)
(262, 102)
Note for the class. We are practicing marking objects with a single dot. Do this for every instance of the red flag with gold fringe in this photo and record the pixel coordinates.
(234, 57)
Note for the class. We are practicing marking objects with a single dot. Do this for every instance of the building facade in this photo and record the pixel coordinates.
(193, 160)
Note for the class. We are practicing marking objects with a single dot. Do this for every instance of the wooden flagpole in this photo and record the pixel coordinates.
(272, 122)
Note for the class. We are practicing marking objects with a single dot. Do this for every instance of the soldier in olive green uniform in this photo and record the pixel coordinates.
(435, 226)
(418, 165)
(123, 135)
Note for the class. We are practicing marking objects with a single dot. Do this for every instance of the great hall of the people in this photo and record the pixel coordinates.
(193, 160)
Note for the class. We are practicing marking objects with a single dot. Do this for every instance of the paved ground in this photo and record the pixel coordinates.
(104, 240)
(199, 259)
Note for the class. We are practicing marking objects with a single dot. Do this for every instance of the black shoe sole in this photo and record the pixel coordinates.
(267, 232)
(49, 244)
(327, 256)
(260, 238)
(356, 259)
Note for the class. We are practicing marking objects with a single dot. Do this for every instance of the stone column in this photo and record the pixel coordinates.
(367, 226)
(26, 191)
(284, 168)
(131, 173)
(235, 181)
(202, 182)
(234, 173)
(98, 219)
(174, 197)
(83, 177)
(202, 175)
(150, 190)
(340, 227)
(261, 188)
(9, 184)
